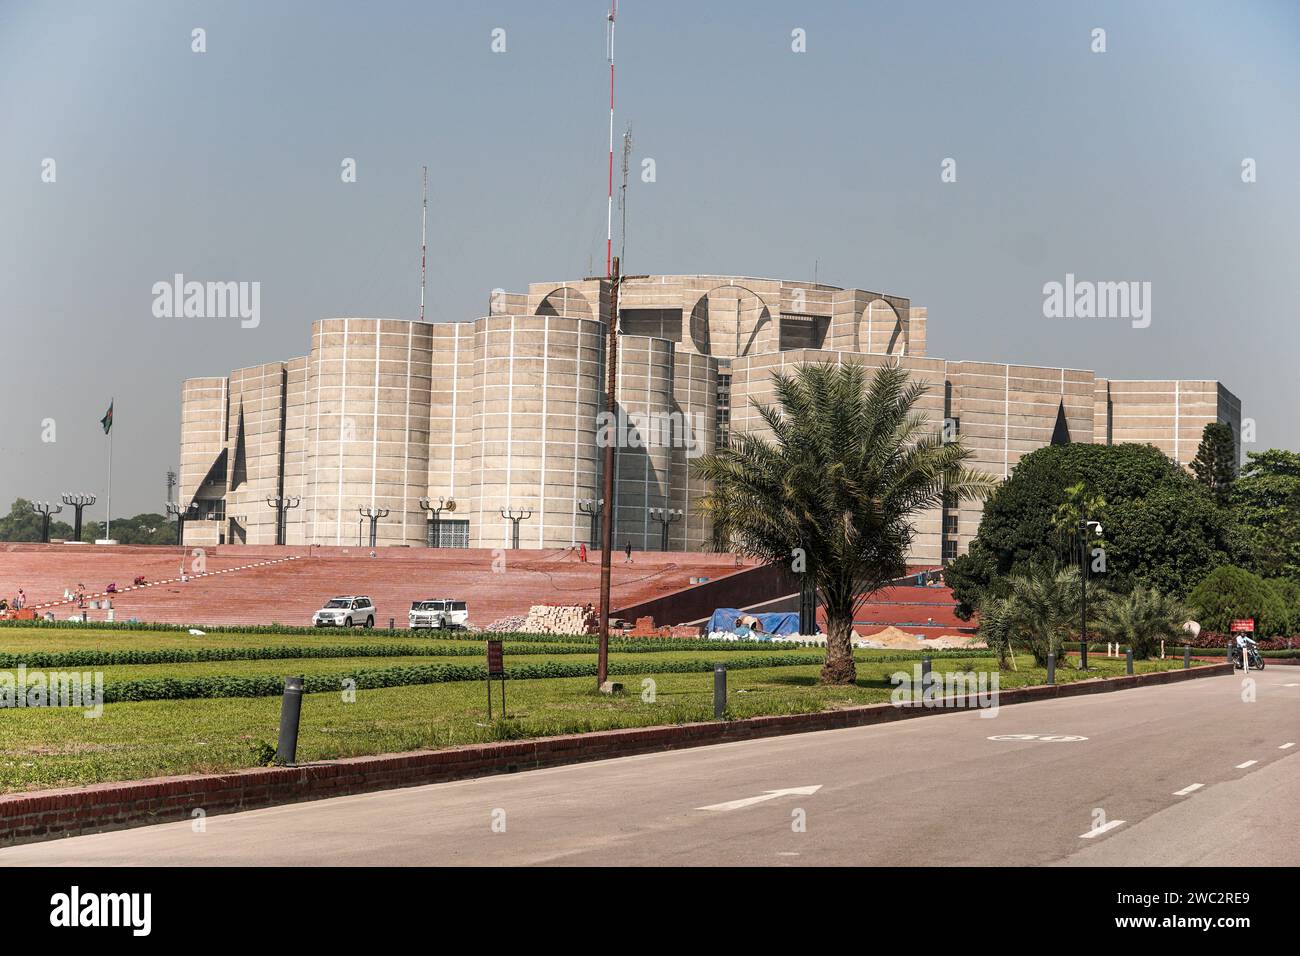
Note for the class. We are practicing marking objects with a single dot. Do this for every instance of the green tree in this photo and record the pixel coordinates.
(1288, 592)
(995, 629)
(1162, 528)
(1229, 593)
(1266, 500)
(1141, 619)
(1043, 607)
(1079, 504)
(1215, 464)
(835, 492)
(23, 524)
(145, 528)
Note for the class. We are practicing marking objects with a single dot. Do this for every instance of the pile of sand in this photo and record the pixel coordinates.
(892, 637)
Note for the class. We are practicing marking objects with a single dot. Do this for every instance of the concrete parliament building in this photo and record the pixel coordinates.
(506, 413)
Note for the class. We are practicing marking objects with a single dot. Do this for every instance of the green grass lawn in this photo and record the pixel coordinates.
(52, 747)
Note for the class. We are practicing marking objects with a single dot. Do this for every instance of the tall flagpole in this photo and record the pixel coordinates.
(108, 515)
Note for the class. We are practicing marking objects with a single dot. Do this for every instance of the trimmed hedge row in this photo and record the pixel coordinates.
(185, 655)
(173, 688)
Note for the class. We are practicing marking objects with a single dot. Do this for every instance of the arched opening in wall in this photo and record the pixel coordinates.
(566, 302)
(880, 330)
(731, 321)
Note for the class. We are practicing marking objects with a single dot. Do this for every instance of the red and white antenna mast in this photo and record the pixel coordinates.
(424, 215)
(609, 216)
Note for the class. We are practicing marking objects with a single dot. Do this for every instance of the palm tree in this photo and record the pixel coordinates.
(997, 616)
(834, 493)
(1044, 604)
(1079, 504)
(1141, 618)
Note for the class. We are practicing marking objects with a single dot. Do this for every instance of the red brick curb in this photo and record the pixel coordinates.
(49, 814)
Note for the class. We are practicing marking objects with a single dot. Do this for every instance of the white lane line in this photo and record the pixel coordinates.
(1291, 685)
(1248, 763)
(1186, 790)
(1098, 831)
(767, 795)
(1287, 746)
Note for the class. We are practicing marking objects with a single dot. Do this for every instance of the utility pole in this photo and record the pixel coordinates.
(607, 532)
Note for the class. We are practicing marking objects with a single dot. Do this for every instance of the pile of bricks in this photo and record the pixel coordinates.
(645, 627)
(560, 619)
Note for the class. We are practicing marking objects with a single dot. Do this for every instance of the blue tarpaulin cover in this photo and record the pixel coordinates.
(724, 619)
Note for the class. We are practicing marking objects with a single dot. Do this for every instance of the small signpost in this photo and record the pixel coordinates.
(496, 670)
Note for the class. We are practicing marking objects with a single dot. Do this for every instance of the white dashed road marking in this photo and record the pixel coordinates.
(1248, 763)
(1098, 831)
(1186, 790)
(1287, 746)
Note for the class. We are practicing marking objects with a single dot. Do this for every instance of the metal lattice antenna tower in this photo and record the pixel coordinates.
(424, 214)
(622, 202)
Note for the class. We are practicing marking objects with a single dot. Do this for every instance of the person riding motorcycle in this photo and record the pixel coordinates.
(1246, 646)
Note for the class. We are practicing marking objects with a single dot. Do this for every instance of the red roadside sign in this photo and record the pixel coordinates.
(1246, 624)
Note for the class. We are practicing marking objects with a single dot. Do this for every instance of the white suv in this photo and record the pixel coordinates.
(440, 614)
(346, 612)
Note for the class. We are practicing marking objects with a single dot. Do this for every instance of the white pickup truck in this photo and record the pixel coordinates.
(439, 614)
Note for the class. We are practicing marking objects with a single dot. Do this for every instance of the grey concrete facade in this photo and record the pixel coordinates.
(506, 413)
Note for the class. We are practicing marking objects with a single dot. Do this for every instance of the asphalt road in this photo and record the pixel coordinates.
(933, 791)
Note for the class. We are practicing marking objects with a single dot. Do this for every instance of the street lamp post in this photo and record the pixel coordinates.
(592, 508)
(1085, 526)
(181, 514)
(282, 506)
(434, 538)
(374, 514)
(45, 509)
(523, 515)
(78, 502)
(665, 517)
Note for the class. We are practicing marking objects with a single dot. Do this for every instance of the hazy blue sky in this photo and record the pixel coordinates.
(1124, 165)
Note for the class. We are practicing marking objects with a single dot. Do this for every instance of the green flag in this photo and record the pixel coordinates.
(107, 420)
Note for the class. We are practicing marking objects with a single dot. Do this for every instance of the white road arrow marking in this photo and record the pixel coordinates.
(1186, 790)
(1098, 831)
(767, 795)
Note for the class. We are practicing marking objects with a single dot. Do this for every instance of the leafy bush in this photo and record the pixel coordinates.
(1141, 619)
(188, 688)
(1228, 593)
